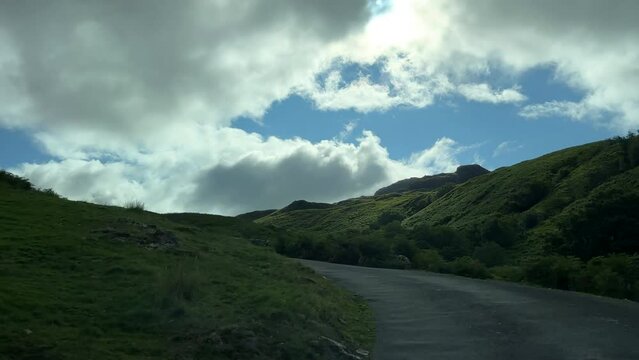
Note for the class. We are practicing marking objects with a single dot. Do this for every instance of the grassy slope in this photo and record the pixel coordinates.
(68, 292)
(357, 214)
(550, 190)
(541, 197)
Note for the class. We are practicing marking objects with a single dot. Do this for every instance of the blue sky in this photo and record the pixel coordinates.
(405, 131)
(483, 127)
(222, 109)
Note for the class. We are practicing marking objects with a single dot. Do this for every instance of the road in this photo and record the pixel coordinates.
(422, 315)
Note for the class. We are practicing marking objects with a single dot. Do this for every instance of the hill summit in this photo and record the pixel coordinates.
(431, 182)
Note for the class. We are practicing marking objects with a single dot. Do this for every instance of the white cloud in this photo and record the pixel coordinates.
(238, 172)
(483, 93)
(506, 147)
(569, 109)
(361, 95)
(442, 45)
(135, 99)
(440, 158)
(130, 69)
(346, 132)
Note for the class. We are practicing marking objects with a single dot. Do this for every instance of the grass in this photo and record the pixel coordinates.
(134, 205)
(80, 281)
(556, 221)
(540, 199)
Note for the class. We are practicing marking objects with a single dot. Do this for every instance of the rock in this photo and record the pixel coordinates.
(149, 236)
(340, 348)
(362, 352)
(404, 260)
(260, 242)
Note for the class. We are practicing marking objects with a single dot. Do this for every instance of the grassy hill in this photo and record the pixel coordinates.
(431, 182)
(571, 215)
(80, 281)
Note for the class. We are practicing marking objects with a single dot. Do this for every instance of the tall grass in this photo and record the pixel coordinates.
(134, 205)
(179, 283)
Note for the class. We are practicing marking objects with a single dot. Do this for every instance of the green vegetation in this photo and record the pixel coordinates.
(431, 182)
(86, 281)
(134, 206)
(568, 220)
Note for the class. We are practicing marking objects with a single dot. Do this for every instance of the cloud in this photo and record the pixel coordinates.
(440, 157)
(569, 109)
(506, 147)
(483, 93)
(136, 99)
(361, 95)
(427, 50)
(348, 129)
(242, 172)
(127, 69)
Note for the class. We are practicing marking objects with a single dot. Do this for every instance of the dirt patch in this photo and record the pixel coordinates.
(146, 235)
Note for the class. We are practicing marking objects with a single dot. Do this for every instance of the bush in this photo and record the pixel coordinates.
(467, 266)
(444, 189)
(561, 272)
(15, 181)
(135, 205)
(392, 230)
(429, 260)
(503, 231)
(614, 275)
(179, 282)
(490, 254)
(405, 247)
(50, 192)
(508, 273)
(372, 248)
(528, 195)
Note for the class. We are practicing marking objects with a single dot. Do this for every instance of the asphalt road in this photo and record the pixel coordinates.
(423, 315)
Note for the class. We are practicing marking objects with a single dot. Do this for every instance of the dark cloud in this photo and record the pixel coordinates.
(121, 66)
(257, 184)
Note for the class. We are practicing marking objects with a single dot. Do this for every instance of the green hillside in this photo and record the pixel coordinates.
(84, 281)
(354, 214)
(574, 212)
(589, 192)
(431, 182)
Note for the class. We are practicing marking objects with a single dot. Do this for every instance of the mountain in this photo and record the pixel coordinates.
(431, 182)
(82, 280)
(568, 219)
(254, 215)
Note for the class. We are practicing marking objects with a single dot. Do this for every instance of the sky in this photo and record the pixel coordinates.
(225, 107)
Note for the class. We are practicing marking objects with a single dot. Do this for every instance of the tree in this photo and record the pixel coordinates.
(490, 254)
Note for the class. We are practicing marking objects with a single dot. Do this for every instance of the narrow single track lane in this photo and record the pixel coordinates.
(422, 315)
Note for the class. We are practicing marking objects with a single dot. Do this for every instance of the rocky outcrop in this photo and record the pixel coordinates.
(432, 182)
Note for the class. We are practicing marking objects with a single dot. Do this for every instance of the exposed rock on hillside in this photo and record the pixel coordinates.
(431, 182)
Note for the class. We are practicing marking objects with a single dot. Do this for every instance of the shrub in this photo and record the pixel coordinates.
(50, 192)
(503, 231)
(528, 195)
(179, 282)
(393, 229)
(134, 205)
(614, 275)
(508, 273)
(15, 181)
(490, 254)
(371, 248)
(467, 266)
(444, 189)
(389, 216)
(561, 272)
(405, 247)
(429, 260)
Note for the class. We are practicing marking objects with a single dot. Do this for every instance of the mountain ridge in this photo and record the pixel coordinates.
(431, 182)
